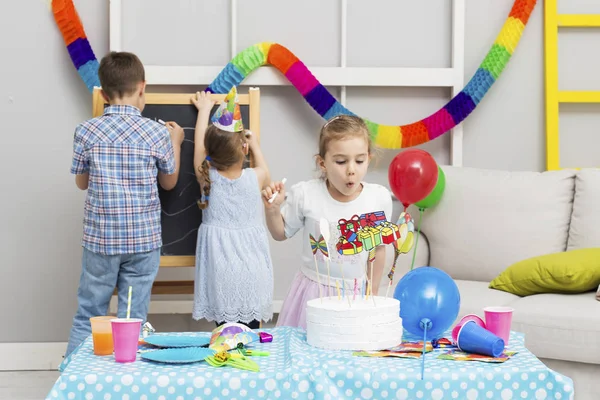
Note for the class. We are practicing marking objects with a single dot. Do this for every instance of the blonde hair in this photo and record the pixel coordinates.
(223, 149)
(343, 127)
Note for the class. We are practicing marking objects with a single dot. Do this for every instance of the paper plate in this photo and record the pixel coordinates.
(177, 341)
(178, 355)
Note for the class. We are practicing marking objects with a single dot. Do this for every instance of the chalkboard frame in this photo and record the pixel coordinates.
(252, 100)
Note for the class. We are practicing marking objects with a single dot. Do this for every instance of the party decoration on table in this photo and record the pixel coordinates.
(249, 353)
(228, 116)
(147, 329)
(316, 246)
(463, 320)
(324, 228)
(315, 94)
(228, 335)
(406, 228)
(265, 337)
(442, 343)
(457, 355)
(182, 355)
(223, 358)
(403, 350)
(430, 302)
(370, 230)
(472, 338)
(177, 341)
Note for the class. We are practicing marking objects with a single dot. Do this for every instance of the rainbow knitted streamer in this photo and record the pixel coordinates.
(78, 46)
(315, 94)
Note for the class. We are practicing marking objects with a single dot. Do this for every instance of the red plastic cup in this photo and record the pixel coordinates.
(463, 320)
(498, 321)
(126, 334)
(472, 338)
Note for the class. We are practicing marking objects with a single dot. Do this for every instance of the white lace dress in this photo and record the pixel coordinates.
(234, 273)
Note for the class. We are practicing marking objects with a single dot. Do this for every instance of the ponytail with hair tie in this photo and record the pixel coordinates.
(204, 183)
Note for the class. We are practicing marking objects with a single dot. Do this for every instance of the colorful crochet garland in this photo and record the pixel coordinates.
(319, 98)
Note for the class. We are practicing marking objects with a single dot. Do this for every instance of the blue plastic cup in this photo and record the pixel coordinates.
(472, 338)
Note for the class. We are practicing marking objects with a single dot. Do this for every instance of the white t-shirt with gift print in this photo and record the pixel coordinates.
(353, 226)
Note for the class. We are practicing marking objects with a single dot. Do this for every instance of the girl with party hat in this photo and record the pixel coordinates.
(234, 272)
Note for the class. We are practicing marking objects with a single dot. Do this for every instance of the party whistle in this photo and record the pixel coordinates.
(257, 353)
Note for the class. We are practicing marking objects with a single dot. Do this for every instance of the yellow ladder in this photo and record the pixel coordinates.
(553, 21)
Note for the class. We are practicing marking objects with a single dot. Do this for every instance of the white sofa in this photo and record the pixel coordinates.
(488, 220)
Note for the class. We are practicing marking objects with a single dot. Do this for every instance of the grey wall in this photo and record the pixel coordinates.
(42, 99)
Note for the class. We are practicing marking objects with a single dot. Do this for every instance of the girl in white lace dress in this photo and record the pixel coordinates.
(234, 273)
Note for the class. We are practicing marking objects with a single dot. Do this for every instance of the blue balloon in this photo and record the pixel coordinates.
(428, 298)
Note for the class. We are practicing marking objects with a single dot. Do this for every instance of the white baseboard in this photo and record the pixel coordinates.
(31, 356)
(177, 306)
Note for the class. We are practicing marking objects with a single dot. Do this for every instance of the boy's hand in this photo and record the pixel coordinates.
(176, 132)
(269, 191)
(203, 102)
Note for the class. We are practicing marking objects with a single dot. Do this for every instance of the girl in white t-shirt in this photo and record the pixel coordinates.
(352, 208)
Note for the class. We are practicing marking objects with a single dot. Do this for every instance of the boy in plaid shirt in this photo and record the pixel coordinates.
(117, 157)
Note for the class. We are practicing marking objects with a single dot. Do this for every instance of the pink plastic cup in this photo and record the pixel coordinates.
(463, 320)
(126, 334)
(498, 321)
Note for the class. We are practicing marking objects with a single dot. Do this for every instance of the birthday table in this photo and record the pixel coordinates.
(295, 370)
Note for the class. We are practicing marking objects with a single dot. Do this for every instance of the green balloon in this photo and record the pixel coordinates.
(436, 194)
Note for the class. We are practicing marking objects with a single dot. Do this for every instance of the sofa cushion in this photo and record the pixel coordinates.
(488, 220)
(474, 296)
(585, 220)
(574, 271)
(560, 326)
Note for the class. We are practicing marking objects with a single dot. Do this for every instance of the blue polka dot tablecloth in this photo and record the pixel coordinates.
(295, 370)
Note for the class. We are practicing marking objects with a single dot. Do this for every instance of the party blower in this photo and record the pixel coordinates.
(429, 304)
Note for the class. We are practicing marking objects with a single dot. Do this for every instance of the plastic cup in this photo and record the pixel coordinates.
(102, 335)
(498, 321)
(468, 317)
(472, 338)
(126, 334)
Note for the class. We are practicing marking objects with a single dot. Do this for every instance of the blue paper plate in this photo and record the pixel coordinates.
(177, 341)
(178, 355)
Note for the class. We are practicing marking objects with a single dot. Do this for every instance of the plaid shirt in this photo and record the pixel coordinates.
(123, 152)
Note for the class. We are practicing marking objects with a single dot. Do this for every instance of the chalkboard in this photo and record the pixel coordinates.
(181, 216)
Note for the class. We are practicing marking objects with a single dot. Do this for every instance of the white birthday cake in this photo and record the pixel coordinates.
(331, 323)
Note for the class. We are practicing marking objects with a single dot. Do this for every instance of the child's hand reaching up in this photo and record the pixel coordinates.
(276, 189)
(203, 102)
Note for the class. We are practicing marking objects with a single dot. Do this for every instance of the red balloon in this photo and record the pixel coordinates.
(412, 175)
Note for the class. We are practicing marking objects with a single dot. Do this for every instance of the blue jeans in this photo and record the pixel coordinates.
(99, 275)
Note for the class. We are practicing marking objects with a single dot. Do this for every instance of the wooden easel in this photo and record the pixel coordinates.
(252, 100)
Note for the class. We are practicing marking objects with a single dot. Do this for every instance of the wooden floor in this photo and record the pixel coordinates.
(26, 385)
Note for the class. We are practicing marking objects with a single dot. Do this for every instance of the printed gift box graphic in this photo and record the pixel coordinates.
(372, 219)
(343, 246)
(370, 237)
(349, 228)
(389, 232)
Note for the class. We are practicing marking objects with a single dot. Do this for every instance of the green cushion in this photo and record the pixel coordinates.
(574, 271)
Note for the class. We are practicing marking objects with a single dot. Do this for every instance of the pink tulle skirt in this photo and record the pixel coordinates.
(293, 311)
